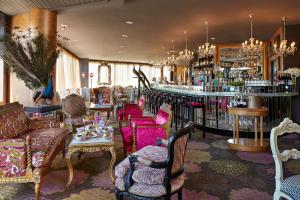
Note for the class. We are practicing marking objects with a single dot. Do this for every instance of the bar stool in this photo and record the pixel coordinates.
(246, 144)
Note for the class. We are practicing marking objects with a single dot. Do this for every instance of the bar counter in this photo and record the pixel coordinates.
(217, 100)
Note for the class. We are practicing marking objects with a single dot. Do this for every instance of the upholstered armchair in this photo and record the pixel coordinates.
(131, 109)
(154, 172)
(27, 146)
(143, 131)
(106, 93)
(74, 109)
(288, 188)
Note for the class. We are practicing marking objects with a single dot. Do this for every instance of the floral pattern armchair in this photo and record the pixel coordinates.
(27, 146)
(105, 91)
(154, 172)
(288, 188)
(144, 131)
(131, 109)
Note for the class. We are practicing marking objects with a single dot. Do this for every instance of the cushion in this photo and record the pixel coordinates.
(142, 173)
(13, 121)
(195, 104)
(291, 187)
(146, 136)
(145, 190)
(12, 158)
(45, 143)
(161, 117)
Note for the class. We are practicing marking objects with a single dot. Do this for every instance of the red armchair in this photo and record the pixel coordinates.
(131, 109)
(144, 131)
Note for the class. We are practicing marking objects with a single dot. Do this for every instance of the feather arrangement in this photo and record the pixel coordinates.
(29, 55)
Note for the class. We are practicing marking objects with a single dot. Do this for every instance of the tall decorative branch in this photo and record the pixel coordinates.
(30, 57)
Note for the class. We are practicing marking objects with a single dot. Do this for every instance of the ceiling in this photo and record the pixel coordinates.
(95, 28)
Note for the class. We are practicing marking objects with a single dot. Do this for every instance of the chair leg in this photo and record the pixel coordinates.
(37, 189)
(180, 194)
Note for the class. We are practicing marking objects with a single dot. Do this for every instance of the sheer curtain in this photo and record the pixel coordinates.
(67, 72)
(122, 74)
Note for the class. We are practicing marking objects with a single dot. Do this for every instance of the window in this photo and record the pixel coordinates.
(121, 74)
(67, 72)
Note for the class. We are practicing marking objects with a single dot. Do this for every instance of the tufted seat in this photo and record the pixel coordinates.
(291, 186)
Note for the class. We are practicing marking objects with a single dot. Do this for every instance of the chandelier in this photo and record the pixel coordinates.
(284, 49)
(186, 55)
(206, 49)
(251, 47)
(171, 55)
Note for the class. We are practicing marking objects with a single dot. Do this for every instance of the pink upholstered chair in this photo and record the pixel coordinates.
(131, 109)
(144, 131)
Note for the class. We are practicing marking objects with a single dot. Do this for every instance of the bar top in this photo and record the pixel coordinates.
(196, 91)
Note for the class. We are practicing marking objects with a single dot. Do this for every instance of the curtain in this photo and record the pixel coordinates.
(67, 72)
(121, 74)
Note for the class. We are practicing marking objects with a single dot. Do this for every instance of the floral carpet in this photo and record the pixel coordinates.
(212, 172)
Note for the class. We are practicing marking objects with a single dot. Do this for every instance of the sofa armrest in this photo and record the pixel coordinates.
(35, 124)
(15, 157)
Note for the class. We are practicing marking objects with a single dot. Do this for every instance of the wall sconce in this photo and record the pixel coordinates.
(91, 76)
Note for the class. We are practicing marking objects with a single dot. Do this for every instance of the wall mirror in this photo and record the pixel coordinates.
(104, 74)
(228, 56)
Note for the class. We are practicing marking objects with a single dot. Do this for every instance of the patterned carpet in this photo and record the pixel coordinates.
(212, 172)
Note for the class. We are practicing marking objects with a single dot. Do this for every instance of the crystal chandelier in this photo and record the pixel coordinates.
(284, 49)
(206, 49)
(251, 47)
(171, 55)
(186, 55)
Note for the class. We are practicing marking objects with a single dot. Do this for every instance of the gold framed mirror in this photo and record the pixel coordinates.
(104, 74)
(228, 55)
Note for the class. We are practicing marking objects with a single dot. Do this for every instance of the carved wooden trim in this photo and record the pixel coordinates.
(287, 126)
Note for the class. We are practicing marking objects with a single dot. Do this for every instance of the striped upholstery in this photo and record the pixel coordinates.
(179, 153)
(154, 153)
(74, 106)
(146, 190)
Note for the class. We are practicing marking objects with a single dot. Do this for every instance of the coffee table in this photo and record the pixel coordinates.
(91, 145)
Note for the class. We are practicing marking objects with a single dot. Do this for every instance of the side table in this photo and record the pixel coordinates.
(91, 145)
(247, 144)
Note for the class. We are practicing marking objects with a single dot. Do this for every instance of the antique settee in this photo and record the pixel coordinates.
(27, 146)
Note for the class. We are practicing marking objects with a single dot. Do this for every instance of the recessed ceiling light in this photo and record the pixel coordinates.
(121, 46)
(212, 38)
(129, 22)
(63, 26)
(124, 36)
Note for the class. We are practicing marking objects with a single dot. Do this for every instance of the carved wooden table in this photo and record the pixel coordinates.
(91, 145)
(247, 144)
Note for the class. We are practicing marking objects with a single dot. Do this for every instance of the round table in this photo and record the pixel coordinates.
(248, 144)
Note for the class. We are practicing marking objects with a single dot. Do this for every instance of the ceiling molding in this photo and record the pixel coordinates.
(14, 7)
